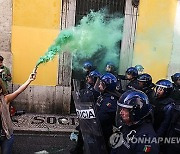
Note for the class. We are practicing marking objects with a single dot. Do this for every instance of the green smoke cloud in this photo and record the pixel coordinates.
(96, 33)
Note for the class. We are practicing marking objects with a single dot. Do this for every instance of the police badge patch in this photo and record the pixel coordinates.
(108, 104)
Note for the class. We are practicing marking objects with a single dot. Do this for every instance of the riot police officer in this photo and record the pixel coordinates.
(110, 68)
(88, 67)
(134, 119)
(91, 81)
(131, 75)
(106, 105)
(163, 106)
(174, 131)
(176, 90)
(174, 127)
(87, 94)
(140, 69)
(146, 85)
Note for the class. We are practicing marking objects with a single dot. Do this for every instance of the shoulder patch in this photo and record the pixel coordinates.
(108, 104)
(147, 148)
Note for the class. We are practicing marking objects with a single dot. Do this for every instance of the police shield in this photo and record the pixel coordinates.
(89, 124)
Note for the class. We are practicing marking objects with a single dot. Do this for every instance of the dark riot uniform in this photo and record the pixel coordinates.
(89, 94)
(175, 95)
(174, 131)
(176, 88)
(120, 80)
(106, 111)
(94, 92)
(143, 131)
(133, 84)
(163, 108)
(119, 84)
(149, 92)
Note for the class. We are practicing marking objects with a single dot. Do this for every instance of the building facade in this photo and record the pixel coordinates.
(28, 28)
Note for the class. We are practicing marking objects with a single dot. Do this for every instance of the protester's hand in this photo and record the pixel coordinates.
(32, 76)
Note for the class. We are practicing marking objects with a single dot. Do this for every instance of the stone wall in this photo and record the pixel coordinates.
(5, 33)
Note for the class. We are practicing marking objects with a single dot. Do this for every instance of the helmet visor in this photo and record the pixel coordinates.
(159, 91)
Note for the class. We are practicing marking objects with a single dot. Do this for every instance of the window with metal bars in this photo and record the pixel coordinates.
(83, 7)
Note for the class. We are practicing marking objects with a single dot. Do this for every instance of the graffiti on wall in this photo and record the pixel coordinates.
(46, 122)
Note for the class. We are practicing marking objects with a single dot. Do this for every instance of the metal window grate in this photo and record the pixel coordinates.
(83, 7)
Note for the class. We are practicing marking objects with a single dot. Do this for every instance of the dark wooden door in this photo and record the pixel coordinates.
(83, 7)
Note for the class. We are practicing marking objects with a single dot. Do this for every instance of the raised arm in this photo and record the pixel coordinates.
(12, 96)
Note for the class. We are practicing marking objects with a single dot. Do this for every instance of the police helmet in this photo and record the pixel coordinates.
(110, 81)
(137, 103)
(110, 67)
(145, 78)
(175, 77)
(166, 85)
(94, 75)
(132, 71)
(87, 66)
(140, 69)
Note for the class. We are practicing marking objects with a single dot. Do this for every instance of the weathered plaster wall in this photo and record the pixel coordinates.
(154, 36)
(5, 33)
(174, 64)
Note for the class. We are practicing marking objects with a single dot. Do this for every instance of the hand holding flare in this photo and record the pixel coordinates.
(33, 74)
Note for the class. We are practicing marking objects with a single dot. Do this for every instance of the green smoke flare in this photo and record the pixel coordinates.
(63, 38)
(94, 33)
